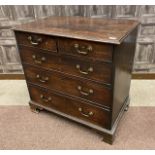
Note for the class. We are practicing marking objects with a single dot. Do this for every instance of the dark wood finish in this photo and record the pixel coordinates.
(91, 86)
(97, 29)
(67, 64)
(71, 86)
(101, 72)
(37, 40)
(86, 49)
(123, 60)
(108, 135)
(41, 59)
(99, 116)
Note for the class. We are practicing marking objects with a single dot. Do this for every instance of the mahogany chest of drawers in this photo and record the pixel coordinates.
(79, 68)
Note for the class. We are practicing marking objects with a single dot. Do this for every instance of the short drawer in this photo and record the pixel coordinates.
(94, 70)
(81, 110)
(36, 40)
(70, 86)
(86, 49)
(39, 58)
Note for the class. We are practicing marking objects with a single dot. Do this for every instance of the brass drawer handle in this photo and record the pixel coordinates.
(90, 113)
(43, 98)
(90, 91)
(38, 61)
(42, 79)
(34, 42)
(90, 69)
(84, 50)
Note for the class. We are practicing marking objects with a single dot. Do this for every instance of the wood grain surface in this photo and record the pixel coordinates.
(100, 94)
(85, 28)
(99, 116)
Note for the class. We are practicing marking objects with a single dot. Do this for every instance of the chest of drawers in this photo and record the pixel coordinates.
(79, 68)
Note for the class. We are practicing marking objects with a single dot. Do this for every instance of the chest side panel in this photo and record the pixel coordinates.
(123, 63)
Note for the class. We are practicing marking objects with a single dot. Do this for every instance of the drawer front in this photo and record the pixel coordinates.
(86, 49)
(78, 88)
(38, 57)
(94, 70)
(81, 110)
(36, 40)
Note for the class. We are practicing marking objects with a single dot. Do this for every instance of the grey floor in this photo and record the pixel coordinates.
(14, 92)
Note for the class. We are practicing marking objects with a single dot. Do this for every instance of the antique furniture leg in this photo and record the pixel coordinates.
(34, 108)
(109, 136)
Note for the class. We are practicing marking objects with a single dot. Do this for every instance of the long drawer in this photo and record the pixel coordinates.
(82, 110)
(93, 70)
(66, 84)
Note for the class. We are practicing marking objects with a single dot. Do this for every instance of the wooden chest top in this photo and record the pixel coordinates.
(92, 29)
